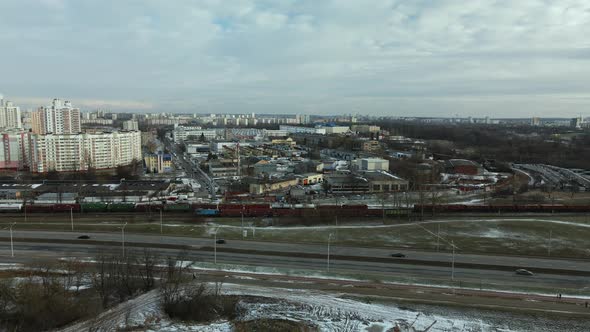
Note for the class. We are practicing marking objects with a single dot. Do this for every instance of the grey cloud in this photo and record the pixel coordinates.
(379, 56)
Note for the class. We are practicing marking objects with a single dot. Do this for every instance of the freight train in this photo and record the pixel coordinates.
(529, 208)
(215, 210)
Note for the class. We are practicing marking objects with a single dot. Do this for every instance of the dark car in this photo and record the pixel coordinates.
(524, 272)
(220, 241)
(398, 255)
(83, 237)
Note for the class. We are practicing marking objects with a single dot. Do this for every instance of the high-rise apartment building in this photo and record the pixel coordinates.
(10, 117)
(59, 118)
(14, 149)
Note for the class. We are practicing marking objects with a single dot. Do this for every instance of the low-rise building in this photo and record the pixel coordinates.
(266, 186)
(182, 133)
(310, 178)
(365, 129)
(385, 182)
(370, 146)
(223, 167)
(158, 162)
(371, 164)
(347, 184)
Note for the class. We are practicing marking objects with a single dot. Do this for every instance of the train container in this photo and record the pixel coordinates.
(207, 212)
(94, 207)
(258, 212)
(11, 207)
(38, 208)
(66, 207)
(227, 212)
(177, 208)
(148, 207)
(121, 207)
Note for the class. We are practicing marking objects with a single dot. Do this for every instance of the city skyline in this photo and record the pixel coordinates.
(513, 59)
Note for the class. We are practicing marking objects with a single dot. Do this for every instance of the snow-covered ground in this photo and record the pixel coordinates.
(331, 312)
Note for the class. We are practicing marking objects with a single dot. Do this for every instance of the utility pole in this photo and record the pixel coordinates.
(328, 263)
(123, 238)
(11, 242)
(453, 262)
(438, 238)
(549, 244)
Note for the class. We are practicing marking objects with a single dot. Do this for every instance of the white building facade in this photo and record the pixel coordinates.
(181, 133)
(79, 152)
(10, 117)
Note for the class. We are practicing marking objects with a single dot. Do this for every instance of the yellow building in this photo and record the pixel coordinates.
(158, 163)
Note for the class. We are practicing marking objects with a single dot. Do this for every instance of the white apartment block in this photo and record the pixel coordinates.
(130, 125)
(78, 152)
(10, 117)
(59, 118)
(302, 130)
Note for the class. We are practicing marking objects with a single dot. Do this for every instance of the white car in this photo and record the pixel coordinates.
(524, 272)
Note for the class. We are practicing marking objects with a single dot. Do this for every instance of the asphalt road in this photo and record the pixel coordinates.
(296, 248)
(292, 256)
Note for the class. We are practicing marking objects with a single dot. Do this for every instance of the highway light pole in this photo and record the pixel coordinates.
(11, 243)
(549, 243)
(451, 243)
(453, 262)
(123, 238)
(328, 263)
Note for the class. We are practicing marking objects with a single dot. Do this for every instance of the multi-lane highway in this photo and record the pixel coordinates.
(417, 266)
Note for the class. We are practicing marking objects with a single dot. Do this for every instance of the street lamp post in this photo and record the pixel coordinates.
(453, 262)
(328, 262)
(123, 238)
(161, 223)
(549, 243)
(72, 217)
(11, 243)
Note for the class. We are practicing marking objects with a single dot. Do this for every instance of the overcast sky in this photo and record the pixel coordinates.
(516, 58)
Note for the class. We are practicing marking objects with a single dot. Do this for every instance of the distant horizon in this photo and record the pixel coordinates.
(84, 108)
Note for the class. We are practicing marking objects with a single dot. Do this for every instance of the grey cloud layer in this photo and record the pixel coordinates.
(505, 58)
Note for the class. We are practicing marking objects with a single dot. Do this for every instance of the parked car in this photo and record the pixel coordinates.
(83, 237)
(398, 255)
(524, 272)
(220, 241)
